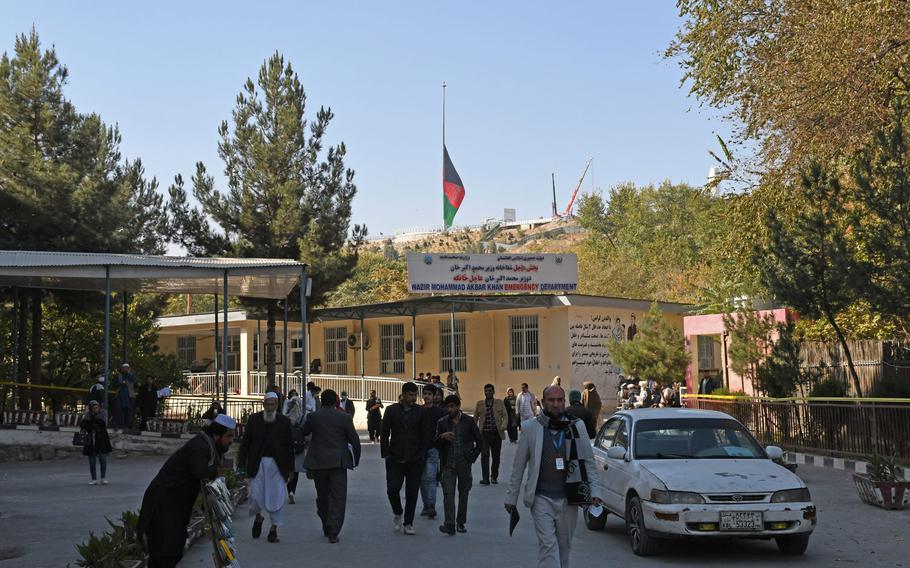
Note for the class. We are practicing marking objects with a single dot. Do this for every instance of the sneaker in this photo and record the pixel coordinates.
(461, 529)
(484, 481)
(103, 482)
(425, 512)
(446, 529)
(291, 498)
(93, 482)
(431, 513)
(257, 526)
(396, 523)
(409, 530)
(273, 534)
(494, 481)
(333, 540)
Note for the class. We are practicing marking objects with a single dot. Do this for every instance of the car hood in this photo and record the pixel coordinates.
(722, 475)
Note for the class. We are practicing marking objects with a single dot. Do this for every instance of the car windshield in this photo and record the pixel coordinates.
(694, 438)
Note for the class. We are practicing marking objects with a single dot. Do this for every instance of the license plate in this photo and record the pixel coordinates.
(740, 521)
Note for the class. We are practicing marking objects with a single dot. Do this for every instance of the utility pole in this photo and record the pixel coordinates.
(553, 179)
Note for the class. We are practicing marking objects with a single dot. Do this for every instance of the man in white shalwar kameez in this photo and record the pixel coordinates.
(267, 457)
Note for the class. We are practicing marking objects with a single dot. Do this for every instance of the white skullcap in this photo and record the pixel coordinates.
(269, 395)
(225, 421)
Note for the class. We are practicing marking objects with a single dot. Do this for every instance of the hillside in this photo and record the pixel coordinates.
(559, 235)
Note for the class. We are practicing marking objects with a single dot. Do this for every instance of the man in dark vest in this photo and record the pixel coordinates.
(334, 449)
(168, 501)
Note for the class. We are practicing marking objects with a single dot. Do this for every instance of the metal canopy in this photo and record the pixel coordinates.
(248, 277)
(477, 303)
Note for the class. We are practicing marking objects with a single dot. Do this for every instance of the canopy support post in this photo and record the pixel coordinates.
(414, 344)
(224, 338)
(303, 330)
(452, 344)
(284, 352)
(107, 338)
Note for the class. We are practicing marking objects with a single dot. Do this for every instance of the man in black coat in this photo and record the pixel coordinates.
(266, 456)
(577, 410)
(403, 443)
(334, 449)
(147, 399)
(168, 501)
(345, 404)
(459, 442)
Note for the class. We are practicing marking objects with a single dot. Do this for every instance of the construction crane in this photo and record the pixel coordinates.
(568, 210)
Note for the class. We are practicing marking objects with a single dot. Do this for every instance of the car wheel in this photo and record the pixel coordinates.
(595, 523)
(642, 543)
(793, 545)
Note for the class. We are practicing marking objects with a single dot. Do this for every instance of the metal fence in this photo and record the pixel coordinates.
(839, 427)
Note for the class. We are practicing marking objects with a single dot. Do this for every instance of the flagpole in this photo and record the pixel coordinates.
(445, 229)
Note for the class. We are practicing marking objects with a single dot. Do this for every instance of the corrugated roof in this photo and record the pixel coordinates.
(251, 277)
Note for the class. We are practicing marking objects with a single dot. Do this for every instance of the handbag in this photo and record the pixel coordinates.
(578, 492)
(82, 438)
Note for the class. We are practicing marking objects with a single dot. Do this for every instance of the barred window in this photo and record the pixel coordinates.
(186, 351)
(445, 346)
(391, 349)
(524, 347)
(336, 351)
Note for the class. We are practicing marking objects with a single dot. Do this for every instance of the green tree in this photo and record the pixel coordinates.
(799, 77)
(288, 196)
(781, 372)
(750, 340)
(375, 279)
(809, 264)
(649, 242)
(64, 185)
(388, 250)
(657, 353)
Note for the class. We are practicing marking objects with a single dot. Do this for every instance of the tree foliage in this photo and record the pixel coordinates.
(657, 353)
(650, 242)
(800, 77)
(375, 279)
(781, 372)
(809, 264)
(750, 340)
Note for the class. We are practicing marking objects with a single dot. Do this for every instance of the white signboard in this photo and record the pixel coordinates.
(489, 273)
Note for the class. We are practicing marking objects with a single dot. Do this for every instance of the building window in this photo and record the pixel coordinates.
(336, 351)
(186, 351)
(233, 351)
(296, 352)
(524, 347)
(706, 360)
(445, 346)
(391, 349)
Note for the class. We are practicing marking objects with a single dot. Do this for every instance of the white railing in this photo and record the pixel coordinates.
(210, 383)
(357, 387)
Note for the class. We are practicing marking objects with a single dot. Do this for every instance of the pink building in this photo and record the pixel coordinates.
(707, 342)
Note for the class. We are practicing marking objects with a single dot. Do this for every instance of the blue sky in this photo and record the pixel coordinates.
(533, 88)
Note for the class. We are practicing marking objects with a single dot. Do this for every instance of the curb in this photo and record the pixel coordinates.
(843, 464)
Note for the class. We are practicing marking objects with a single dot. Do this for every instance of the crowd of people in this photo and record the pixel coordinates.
(648, 394)
(424, 447)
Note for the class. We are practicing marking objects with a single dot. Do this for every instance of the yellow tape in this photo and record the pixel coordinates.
(49, 387)
(793, 399)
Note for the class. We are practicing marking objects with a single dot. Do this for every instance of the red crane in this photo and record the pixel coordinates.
(568, 210)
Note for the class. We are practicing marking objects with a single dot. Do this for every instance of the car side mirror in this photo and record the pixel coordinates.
(616, 453)
(774, 453)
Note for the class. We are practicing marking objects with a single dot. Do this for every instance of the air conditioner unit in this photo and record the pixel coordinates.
(354, 341)
(412, 346)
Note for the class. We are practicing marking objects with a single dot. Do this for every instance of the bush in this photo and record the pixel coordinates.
(829, 388)
(109, 548)
(724, 391)
(891, 387)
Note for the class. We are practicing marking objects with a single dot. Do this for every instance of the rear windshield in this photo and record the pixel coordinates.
(694, 438)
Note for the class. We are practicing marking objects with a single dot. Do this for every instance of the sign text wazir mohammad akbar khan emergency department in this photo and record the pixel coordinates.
(486, 273)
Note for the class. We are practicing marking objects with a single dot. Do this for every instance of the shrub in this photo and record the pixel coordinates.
(829, 388)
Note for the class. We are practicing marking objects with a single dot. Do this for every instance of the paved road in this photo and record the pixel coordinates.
(47, 508)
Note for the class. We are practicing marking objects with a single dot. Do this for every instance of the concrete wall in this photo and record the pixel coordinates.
(28, 442)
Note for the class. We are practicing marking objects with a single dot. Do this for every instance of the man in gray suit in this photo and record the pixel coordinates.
(333, 450)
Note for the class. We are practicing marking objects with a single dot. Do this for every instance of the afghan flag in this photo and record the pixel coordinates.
(452, 189)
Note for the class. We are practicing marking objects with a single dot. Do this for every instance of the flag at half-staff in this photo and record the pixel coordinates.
(452, 189)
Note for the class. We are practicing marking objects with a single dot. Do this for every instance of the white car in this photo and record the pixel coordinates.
(679, 473)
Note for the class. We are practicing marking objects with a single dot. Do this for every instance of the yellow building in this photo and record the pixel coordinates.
(500, 339)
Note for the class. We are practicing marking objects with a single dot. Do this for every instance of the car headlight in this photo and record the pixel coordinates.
(676, 497)
(791, 496)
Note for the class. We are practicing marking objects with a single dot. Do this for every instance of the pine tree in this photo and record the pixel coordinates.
(64, 185)
(657, 353)
(779, 374)
(287, 195)
(750, 340)
(809, 264)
